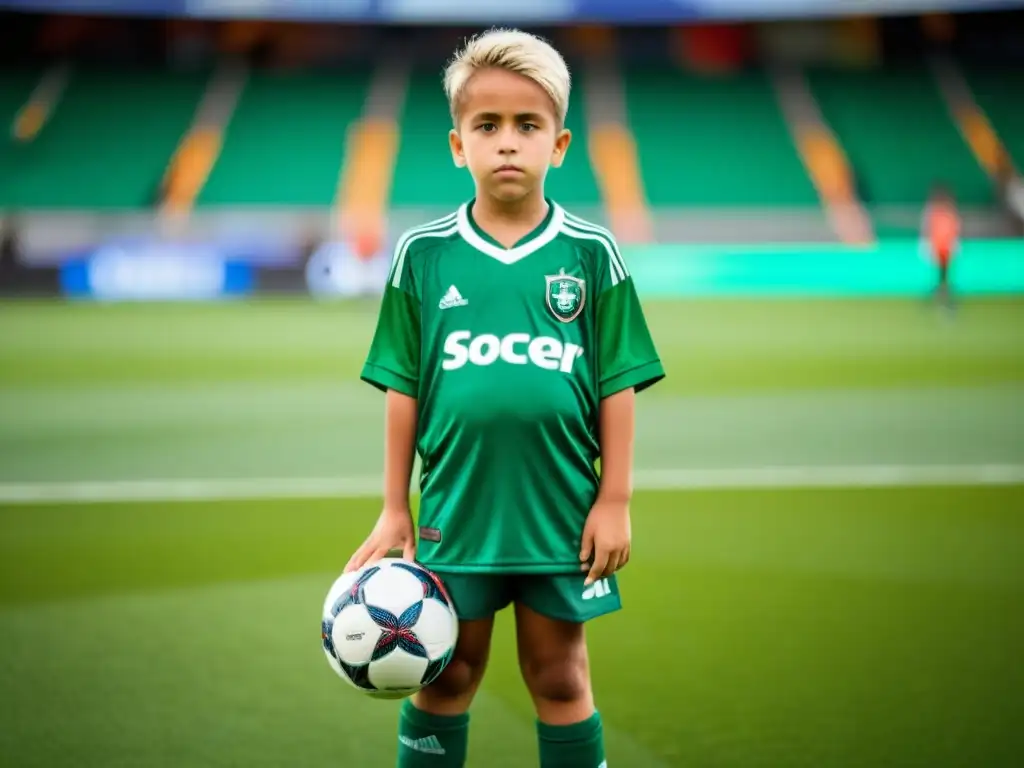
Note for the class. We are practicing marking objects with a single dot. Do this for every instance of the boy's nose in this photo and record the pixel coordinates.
(509, 141)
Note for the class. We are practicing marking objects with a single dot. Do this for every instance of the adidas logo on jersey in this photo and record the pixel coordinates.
(452, 299)
(429, 745)
(462, 348)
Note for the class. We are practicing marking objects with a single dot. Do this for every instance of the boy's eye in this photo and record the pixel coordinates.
(529, 127)
(487, 127)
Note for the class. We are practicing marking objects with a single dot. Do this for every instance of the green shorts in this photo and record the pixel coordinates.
(557, 596)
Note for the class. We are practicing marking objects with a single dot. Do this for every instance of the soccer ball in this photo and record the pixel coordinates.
(389, 628)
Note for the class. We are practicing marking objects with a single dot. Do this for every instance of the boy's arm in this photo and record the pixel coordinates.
(627, 363)
(617, 427)
(400, 416)
(393, 366)
(394, 529)
(607, 534)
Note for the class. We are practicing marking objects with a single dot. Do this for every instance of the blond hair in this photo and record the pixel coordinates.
(515, 51)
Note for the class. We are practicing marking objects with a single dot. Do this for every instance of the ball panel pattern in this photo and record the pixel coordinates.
(389, 629)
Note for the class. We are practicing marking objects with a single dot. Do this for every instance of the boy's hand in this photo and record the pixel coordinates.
(605, 538)
(393, 530)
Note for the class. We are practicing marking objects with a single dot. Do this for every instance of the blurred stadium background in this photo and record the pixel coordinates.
(197, 202)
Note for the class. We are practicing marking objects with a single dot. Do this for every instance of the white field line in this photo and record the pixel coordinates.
(199, 489)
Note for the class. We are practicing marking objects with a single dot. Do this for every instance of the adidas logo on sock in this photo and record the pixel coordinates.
(452, 299)
(428, 744)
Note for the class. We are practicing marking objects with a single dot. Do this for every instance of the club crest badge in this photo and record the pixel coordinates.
(565, 296)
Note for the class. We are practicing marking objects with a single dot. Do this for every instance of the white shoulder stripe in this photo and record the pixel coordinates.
(396, 271)
(446, 219)
(443, 223)
(580, 220)
(615, 267)
(587, 226)
(579, 223)
(617, 261)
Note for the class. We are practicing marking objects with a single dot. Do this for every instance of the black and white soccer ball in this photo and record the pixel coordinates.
(389, 628)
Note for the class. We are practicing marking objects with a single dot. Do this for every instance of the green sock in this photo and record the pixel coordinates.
(431, 741)
(580, 745)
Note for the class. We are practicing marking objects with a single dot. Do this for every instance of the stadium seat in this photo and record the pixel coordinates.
(713, 141)
(703, 141)
(285, 142)
(15, 88)
(898, 135)
(1000, 94)
(106, 144)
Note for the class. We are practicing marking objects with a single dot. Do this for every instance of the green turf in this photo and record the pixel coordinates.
(270, 389)
(710, 346)
(791, 628)
(787, 627)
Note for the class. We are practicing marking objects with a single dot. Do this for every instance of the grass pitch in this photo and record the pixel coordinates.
(875, 620)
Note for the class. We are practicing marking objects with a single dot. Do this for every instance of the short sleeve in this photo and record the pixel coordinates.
(627, 356)
(393, 361)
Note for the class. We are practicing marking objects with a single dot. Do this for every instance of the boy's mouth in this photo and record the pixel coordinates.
(508, 170)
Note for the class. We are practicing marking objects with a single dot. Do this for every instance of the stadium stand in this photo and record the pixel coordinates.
(899, 135)
(424, 173)
(999, 93)
(706, 156)
(285, 142)
(713, 141)
(106, 144)
(15, 90)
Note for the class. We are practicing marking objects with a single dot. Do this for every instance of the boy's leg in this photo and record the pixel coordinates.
(433, 729)
(550, 616)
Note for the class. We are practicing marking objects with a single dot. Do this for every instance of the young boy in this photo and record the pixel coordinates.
(510, 344)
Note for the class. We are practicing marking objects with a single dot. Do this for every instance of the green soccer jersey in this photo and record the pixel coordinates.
(508, 352)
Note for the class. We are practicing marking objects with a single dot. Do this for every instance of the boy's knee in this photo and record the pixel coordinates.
(553, 658)
(460, 678)
(453, 690)
(557, 679)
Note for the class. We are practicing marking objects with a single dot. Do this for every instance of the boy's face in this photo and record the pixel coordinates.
(508, 135)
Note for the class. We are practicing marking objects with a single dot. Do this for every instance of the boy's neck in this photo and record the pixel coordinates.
(509, 222)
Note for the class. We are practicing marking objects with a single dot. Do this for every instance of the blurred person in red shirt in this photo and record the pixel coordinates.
(940, 239)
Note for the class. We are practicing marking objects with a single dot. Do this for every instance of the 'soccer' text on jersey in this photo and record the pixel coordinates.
(461, 347)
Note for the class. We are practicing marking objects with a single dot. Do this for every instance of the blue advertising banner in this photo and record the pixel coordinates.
(126, 7)
(155, 274)
(334, 271)
(503, 11)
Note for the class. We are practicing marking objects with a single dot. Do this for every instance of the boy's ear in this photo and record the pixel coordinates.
(562, 142)
(455, 142)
